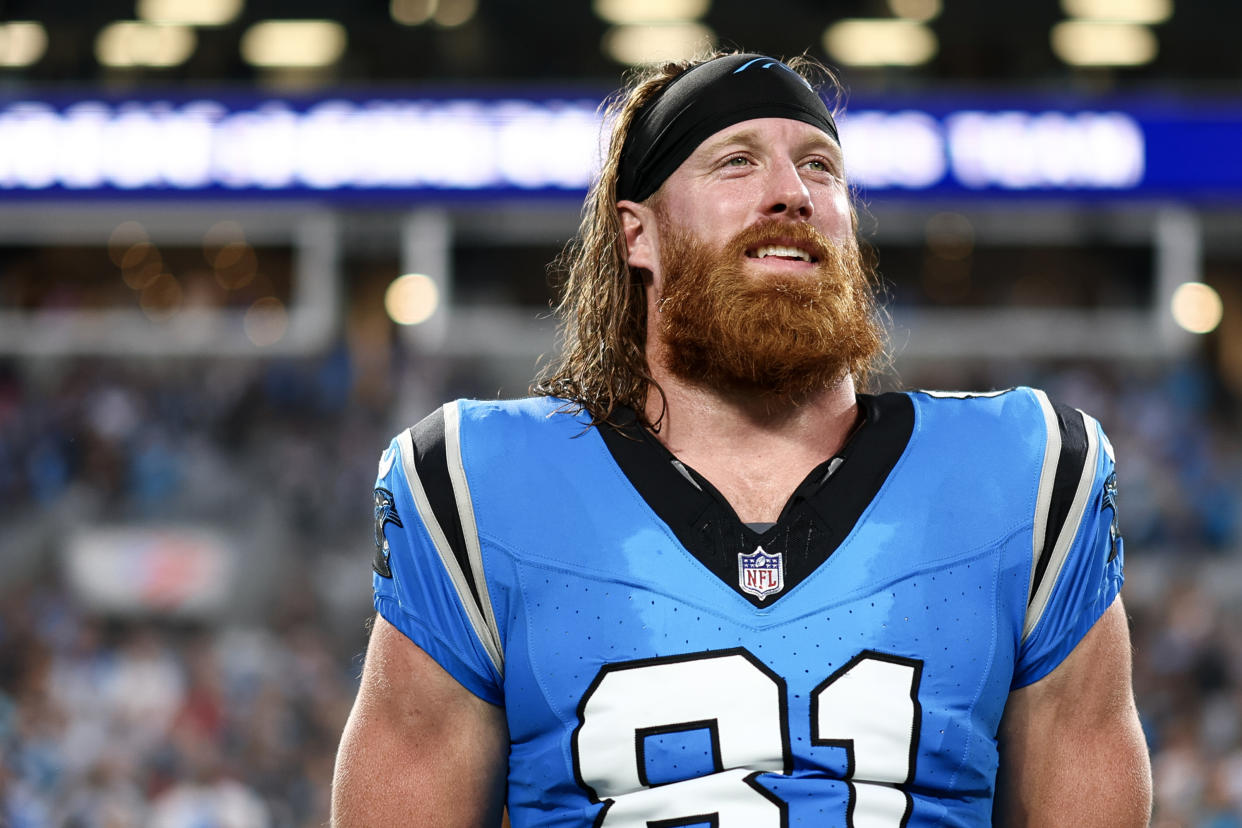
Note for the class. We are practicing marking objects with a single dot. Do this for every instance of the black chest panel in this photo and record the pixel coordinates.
(819, 515)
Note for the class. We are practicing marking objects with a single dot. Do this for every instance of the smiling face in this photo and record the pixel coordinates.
(756, 280)
(772, 169)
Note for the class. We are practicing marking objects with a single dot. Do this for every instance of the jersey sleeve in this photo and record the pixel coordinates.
(1077, 561)
(424, 577)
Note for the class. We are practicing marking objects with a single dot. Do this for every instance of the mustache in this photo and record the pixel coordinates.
(776, 231)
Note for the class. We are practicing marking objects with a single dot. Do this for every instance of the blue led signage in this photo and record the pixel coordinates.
(407, 149)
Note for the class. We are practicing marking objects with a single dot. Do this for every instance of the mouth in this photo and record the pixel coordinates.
(787, 252)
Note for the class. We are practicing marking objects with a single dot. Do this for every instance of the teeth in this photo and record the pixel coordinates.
(777, 250)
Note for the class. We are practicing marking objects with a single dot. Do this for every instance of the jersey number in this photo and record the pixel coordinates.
(869, 707)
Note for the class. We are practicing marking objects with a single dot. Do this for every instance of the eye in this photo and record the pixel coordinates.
(737, 161)
(820, 165)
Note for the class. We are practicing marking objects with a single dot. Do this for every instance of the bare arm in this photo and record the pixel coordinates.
(1072, 751)
(419, 749)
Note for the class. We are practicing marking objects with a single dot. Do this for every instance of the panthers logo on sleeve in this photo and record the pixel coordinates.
(385, 513)
(1110, 502)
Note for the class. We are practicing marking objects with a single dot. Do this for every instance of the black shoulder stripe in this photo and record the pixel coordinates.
(1073, 456)
(431, 465)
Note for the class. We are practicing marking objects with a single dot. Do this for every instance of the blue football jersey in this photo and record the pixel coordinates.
(662, 664)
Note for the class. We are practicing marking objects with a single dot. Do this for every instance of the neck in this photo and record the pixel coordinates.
(755, 449)
(691, 414)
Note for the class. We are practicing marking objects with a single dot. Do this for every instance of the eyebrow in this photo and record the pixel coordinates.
(749, 139)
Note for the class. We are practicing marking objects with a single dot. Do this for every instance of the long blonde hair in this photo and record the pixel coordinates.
(602, 362)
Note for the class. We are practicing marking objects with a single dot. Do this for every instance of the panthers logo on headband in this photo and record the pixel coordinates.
(385, 513)
(768, 63)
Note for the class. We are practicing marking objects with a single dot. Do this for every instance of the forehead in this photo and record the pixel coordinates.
(769, 134)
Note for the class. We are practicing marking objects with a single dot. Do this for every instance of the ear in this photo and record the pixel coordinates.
(638, 226)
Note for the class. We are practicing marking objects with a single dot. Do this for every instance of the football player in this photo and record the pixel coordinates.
(700, 578)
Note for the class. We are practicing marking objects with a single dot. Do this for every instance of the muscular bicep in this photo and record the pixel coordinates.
(1072, 751)
(418, 749)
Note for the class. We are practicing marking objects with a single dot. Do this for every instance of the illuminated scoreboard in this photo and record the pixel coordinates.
(410, 149)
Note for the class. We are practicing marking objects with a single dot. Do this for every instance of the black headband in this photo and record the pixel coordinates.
(703, 101)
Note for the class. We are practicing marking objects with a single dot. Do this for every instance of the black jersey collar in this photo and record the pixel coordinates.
(818, 516)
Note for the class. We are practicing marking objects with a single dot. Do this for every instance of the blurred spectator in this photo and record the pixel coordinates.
(136, 724)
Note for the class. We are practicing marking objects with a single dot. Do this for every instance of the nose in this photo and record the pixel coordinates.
(788, 196)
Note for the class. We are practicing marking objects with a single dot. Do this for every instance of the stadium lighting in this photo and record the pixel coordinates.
(638, 44)
(412, 12)
(453, 13)
(161, 298)
(235, 265)
(1150, 12)
(1196, 307)
(919, 10)
(857, 42)
(266, 321)
(22, 43)
(123, 237)
(629, 12)
(1093, 43)
(293, 43)
(127, 43)
(141, 265)
(411, 299)
(220, 235)
(189, 12)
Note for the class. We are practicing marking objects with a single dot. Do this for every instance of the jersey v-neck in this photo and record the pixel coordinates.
(817, 517)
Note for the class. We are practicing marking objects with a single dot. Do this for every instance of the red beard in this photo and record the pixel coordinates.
(787, 335)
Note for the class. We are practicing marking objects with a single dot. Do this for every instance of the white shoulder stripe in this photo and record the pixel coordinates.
(445, 551)
(1047, 477)
(469, 527)
(1073, 520)
(1108, 447)
(962, 395)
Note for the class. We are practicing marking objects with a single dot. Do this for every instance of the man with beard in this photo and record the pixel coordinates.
(700, 579)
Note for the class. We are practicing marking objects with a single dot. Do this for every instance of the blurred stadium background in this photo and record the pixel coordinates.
(243, 242)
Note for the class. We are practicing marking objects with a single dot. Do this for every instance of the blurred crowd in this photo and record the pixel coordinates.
(233, 720)
(195, 439)
(132, 724)
(1188, 681)
(204, 439)
(226, 720)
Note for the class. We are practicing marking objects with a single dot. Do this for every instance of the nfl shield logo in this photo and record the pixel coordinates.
(760, 574)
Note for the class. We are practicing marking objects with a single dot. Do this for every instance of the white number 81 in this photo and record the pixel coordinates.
(869, 707)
